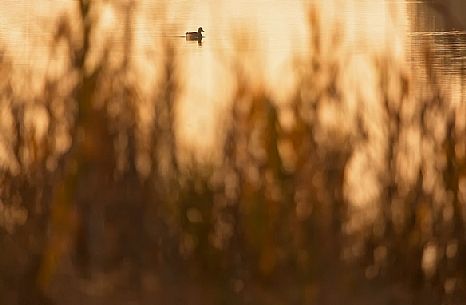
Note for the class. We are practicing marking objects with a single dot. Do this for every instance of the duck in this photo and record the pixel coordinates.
(195, 35)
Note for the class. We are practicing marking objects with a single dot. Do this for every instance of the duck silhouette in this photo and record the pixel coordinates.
(195, 35)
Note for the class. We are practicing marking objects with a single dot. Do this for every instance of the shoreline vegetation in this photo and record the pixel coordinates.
(351, 192)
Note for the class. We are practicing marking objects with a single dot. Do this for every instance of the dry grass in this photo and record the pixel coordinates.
(100, 210)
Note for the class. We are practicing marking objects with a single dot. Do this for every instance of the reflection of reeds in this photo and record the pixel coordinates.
(273, 222)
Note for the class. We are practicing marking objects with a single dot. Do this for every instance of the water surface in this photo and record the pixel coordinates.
(268, 34)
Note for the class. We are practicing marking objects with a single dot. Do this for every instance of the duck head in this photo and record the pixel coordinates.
(200, 30)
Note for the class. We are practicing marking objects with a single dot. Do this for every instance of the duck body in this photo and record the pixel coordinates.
(195, 35)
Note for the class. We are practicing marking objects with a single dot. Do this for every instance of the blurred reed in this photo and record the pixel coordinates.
(96, 207)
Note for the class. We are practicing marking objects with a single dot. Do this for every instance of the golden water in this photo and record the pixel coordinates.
(270, 34)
